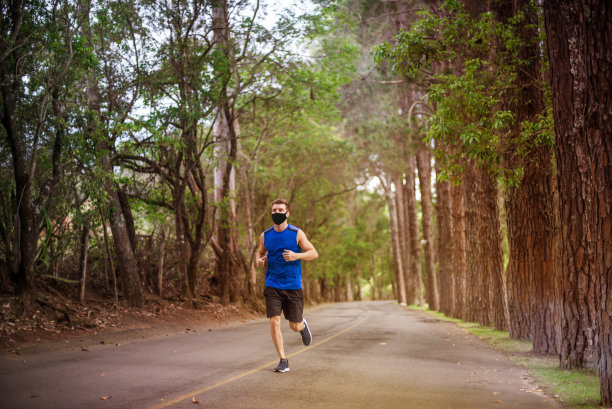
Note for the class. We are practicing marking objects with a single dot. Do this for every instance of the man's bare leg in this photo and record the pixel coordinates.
(277, 336)
(296, 326)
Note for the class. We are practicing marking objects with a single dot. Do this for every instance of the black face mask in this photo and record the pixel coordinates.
(279, 218)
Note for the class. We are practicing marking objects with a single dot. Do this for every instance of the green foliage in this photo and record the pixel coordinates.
(160, 80)
(471, 101)
(295, 150)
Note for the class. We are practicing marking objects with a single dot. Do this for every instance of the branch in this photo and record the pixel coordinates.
(248, 36)
(15, 33)
(150, 201)
(215, 246)
(415, 103)
(390, 14)
(153, 165)
(332, 194)
(394, 82)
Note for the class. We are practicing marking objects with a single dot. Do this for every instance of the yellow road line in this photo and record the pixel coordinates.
(185, 396)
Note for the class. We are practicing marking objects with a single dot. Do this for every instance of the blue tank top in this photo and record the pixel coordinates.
(281, 274)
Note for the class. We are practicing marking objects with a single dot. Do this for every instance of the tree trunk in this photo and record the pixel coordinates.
(110, 260)
(531, 272)
(160, 262)
(484, 291)
(126, 209)
(128, 267)
(403, 232)
(182, 252)
(350, 296)
(196, 224)
(477, 283)
(397, 259)
(252, 242)
(458, 250)
(424, 169)
(374, 280)
(414, 237)
(83, 260)
(443, 246)
(337, 288)
(530, 208)
(579, 39)
(229, 267)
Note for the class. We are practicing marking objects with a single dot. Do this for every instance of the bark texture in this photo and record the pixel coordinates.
(443, 246)
(458, 251)
(530, 207)
(424, 169)
(414, 245)
(579, 37)
(485, 302)
(400, 287)
(403, 235)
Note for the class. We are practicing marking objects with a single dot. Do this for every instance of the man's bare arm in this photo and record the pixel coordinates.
(308, 253)
(262, 253)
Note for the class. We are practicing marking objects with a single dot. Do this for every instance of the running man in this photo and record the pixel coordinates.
(284, 247)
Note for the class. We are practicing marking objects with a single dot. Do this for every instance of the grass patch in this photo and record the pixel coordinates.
(577, 388)
(499, 339)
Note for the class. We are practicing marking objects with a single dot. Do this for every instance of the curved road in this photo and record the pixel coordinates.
(364, 355)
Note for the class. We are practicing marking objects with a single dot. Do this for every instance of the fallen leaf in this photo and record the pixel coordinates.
(103, 373)
(197, 402)
(33, 396)
(105, 397)
(84, 349)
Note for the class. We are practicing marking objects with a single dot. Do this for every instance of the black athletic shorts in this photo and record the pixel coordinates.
(290, 302)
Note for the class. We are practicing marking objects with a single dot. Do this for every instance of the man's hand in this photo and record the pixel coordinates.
(261, 261)
(289, 255)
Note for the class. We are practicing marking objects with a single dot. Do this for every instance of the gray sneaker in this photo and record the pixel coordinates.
(306, 335)
(283, 366)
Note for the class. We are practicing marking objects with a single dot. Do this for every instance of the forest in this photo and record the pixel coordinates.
(455, 155)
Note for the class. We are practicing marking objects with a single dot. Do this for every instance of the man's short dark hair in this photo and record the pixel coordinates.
(281, 201)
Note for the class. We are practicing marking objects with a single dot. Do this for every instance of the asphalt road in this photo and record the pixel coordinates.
(364, 355)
